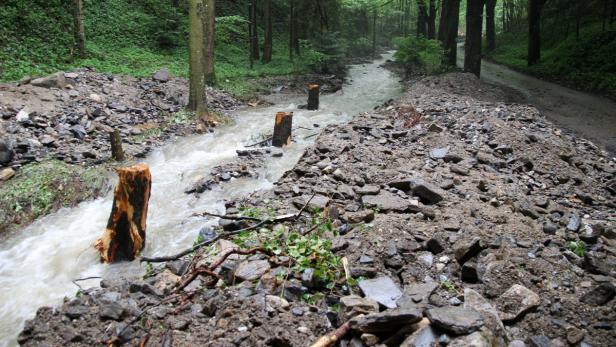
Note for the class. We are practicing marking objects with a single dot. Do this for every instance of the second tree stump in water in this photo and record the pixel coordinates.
(313, 97)
(124, 237)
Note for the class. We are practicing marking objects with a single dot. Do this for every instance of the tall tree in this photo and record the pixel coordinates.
(209, 30)
(291, 27)
(422, 19)
(254, 35)
(534, 31)
(448, 29)
(196, 47)
(432, 20)
(79, 28)
(472, 46)
(491, 24)
(267, 36)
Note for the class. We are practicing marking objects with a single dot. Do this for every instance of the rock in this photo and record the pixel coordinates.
(353, 305)
(369, 339)
(111, 310)
(435, 128)
(275, 302)
(308, 278)
(177, 323)
(23, 115)
(590, 234)
(47, 140)
(549, 228)
(364, 216)
(539, 341)
(517, 343)
(389, 320)
(439, 153)
(6, 151)
(417, 293)
(515, 302)
(469, 272)
(599, 295)
(467, 248)
(386, 202)
(71, 75)
(425, 336)
(427, 192)
(161, 75)
(252, 270)
(76, 311)
(574, 223)
(474, 300)
(434, 245)
(317, 202)
(367, 190)
(177, 267)
(382, 289)
(455, 320)
(6, 174)
(79, 131)
(56, 80)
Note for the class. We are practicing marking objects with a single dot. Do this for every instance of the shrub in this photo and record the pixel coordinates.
(419, 53)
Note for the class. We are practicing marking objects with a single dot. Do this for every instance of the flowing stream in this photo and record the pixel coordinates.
(38, 264)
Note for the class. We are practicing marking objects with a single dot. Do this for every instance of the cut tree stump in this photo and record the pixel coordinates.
(313, 97)
(116, 145)
(124, 237)
(282, 129)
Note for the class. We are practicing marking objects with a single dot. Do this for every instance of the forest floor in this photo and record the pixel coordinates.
(54, 131)
(465, 221)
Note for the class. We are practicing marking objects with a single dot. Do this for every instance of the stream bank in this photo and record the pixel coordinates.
(464, 220)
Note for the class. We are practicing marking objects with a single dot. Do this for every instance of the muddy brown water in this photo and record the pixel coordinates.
(38, 264)
(587, 115)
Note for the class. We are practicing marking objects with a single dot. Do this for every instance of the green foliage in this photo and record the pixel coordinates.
(577, 247)
(359, 47)
(149, 270)
(414, 52)
(40, 188)
(449, 286)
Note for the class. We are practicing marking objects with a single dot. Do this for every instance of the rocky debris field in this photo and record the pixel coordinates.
(445, 218)
(68, 116)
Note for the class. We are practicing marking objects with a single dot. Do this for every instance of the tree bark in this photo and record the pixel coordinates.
(117, 152)
(432, 20)
(254, 34)
(313, 97)
(374, 33)
(124, 237)
(267, 39)
(534, 31)
(282, 129)
(196, 47)
(472, 46)
(291, 27)
(79, 28)
(491, 24)
(448, 29)
(209, 30)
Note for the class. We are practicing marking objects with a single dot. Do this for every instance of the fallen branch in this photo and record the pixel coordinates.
(84, 279)
(260, 142)
(312, 135)
(333, 337)
(203, 214)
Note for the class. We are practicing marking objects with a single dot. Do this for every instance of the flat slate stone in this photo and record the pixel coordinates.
(515, 302)
(390, 320)
(456, 320)
(382, 290)
(251, 270)
(386, 202)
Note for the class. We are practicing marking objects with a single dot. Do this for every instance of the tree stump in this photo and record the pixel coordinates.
(124, 237)
(282, 129)
(313, 97)
(117, 152)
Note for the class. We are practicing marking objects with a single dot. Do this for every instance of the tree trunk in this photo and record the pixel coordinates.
(209, 30)
(196, 47)
(124, 237)
(472, 46)
(432, 20)
(254, 37)
(448, 29)
(613, 12)
(313, 97)
(267, 39)
(491, 24)
(374, 33)
(534, 31)
(115, 139)
(422, 19)
(79, 28)
(282, 129)
(291, 27)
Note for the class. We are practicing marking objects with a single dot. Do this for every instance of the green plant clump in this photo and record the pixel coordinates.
(420, 53)
(577, 247)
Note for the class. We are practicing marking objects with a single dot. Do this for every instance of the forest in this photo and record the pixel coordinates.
(314, 173)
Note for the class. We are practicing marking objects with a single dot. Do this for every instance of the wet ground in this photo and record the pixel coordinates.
(587, 115)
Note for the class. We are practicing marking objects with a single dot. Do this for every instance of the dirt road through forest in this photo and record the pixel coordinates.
(589, 116)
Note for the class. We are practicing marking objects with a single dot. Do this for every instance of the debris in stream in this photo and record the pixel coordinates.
(460, 239)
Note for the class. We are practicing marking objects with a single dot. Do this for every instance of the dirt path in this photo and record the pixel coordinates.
(587, 115)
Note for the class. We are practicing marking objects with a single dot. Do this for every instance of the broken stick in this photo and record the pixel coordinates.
(333, 337)
(124, 237)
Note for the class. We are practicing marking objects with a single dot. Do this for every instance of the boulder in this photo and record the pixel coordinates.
(161, 76)
(7, 153)
(515, 302)
(381, 289)
(386, 202)
(56, 80)
(252, 270)
(6, 174)
(455, 320)
(600, 295)
(353, 305)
